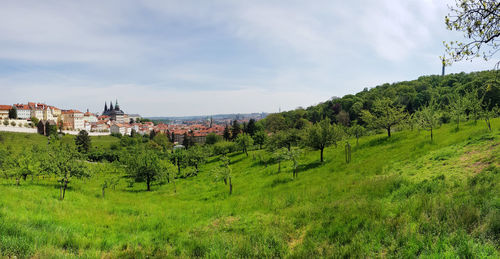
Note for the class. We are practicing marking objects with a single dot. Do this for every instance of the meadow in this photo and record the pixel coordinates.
(402, 196)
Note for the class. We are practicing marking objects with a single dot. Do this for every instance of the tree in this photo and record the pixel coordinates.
(224, 172)
(235, 130)
(479, 20)
(458, 105)
(294, 155)
(251, 127)
(227, 133)
(34, 120)
(279, 155)
(179, 157)
(145, 165)
(82, 141)
(428, 117)
(357, 131)
(323, 134)
(244, 141)
(275, 122)
(25, 163)
(65, 164)
(475, 104)
(196, 156)
(487, 115)
(384, 115)
(259, 138)
(13, 113)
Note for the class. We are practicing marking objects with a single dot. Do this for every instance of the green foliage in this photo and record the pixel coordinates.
(227, 133)
(144, 165)
(212, 138)
(428, 117)
(6, 122)
(275, 122)
(83, 142)
(480, 23)
(244, 141)
(224, 147)
(357, 131)
(235, 130)
(323, 134)
(384, 115)
(458, 105)
(34, 120)
(13, 113)
(259, 138)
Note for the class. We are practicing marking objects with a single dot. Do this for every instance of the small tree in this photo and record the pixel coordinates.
(475, 105)
(487, 115)
(322, 134)
(244, 141)
(384, 115)
(179, 158)
(259, 138)
(428, 117)
(145, 165)
(293, 155)
(357, 131)
(82, 141)
(13, 113)
(279, 155)
(196, 156)
(65, 164)
(224, 172)
(458, 105)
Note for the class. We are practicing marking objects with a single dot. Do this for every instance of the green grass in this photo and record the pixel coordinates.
(399, 197)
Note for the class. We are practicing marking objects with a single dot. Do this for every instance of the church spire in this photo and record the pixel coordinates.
(111, 106)
(116, 105)
(105, 106)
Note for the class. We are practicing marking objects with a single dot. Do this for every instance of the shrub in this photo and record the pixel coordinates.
(13, 124)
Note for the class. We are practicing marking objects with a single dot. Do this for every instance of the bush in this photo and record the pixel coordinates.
(6, 122)
(117, 135)
(224, 147)
(13, 124)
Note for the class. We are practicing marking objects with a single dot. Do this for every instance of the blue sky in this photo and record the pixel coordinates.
(167, 58)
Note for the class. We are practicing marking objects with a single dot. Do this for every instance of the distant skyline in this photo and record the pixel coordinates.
(180, 58)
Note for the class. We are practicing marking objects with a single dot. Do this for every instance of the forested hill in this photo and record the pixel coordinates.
(411, 94)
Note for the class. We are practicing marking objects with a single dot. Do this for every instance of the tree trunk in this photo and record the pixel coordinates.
(178, 168)
(230, 186)
(279, 166)
(17, 181)
(389, 132)
(64, 189)
(246, 152)
(148, 182)
(432, 137)
(488, 124)
(61, 192)
(24, 176)
(294, 172)
(225, 181)
(357, 141)
(103, 188)
(321, 150)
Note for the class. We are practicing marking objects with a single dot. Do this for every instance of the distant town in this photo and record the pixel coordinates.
(41, 118)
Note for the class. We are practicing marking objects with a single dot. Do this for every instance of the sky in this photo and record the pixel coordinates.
(177, 58)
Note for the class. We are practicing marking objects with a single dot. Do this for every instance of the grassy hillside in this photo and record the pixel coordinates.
(399, 197)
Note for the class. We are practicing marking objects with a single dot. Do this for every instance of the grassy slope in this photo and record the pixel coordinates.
(401, 196)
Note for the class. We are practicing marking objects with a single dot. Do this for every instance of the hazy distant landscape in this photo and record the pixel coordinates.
(272, 164)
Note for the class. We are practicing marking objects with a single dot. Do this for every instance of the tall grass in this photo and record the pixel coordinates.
(399, 197)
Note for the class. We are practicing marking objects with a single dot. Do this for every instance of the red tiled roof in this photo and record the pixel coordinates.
(5, 107)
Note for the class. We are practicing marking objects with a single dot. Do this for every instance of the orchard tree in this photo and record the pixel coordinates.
(275, 122)
(322, 134)
(197, 156)
(83, 142)
(479, 21)
(428, 117)
(458, 105)
(488, 114)
(179, 158)
(357, 131)
(280, 155)
(66, 164)
(145, 165)
(244, 141)
(294, 155)
(384, 115)
(224, 172)
(475, 104)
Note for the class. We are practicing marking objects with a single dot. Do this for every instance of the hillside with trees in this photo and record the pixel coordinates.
(403, 169)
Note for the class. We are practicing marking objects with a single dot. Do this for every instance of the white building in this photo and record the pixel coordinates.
(120, 128)
(73, 119)
(23, 111)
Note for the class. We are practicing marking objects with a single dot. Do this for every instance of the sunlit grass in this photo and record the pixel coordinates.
(401, 197)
